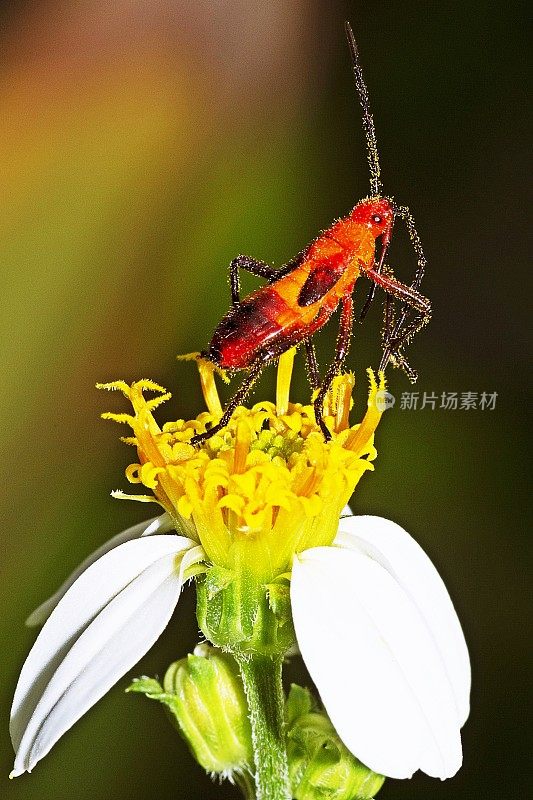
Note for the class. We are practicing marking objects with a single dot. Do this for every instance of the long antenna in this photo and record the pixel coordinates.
(368, 121)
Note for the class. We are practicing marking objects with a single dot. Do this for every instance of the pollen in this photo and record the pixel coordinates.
(268, 482)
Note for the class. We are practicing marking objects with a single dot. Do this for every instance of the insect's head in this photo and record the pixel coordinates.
(376, 213)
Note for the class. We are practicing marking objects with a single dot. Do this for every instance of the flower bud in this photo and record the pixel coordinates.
(205, 696)
(319, 763)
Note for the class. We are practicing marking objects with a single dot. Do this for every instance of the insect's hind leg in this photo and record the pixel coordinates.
(251, 265)
(379, 267)
(341, 349)
(396, 335)
(408, 294)
(398, 338)
(237, 399)
(395, 355)
(311, 364)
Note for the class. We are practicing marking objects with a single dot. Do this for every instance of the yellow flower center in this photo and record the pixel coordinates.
(265, 487)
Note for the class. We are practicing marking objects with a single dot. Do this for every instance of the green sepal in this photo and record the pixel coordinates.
(152, 689)
(217, 579)
(299, 702)
(240, 614)
(148, 686)
(279, 600)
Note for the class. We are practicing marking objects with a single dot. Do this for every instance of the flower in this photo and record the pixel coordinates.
(254, 515)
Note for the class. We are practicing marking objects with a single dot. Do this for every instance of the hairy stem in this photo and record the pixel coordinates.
(261, 676)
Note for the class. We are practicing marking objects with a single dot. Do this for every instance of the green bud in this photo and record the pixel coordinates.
(320, 766)
(205, 697)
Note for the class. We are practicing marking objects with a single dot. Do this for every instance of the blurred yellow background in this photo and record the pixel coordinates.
(146, 144)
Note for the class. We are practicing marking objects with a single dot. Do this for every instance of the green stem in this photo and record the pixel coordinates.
(261, 677)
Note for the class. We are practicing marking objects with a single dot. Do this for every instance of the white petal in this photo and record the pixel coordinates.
(346, 512)
(162, 524)
(103, 625)
(402, 556)
(377, 669)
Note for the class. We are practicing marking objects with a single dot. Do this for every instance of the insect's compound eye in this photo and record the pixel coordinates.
(376, 219)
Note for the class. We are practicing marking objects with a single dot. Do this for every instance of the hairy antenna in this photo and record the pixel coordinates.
(368, 121)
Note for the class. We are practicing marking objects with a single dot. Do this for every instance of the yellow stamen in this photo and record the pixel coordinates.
(207, 381)
(358, 438)
(132, 473)
(115, 386)
(308, 482)
(243, 439)
(157, 401)
(344, 402)
(126, 419)
(146, 383)
(118, 494)
(283, 383)
(209, 388)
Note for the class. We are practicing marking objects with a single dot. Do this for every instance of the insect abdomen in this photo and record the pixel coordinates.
(245, 329)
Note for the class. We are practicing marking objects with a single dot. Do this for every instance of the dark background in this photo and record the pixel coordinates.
(146, 145)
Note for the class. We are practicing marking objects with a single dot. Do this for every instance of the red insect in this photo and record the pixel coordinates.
(301, 296)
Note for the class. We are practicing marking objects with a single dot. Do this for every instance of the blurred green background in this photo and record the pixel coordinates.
(145, 145)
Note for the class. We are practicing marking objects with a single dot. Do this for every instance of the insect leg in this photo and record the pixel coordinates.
(388, 318)
(251, 265)
(395, 355)
(404, 213)
(341, 349)
(409, 294)
(368, 302)
(396, 336)
(312, 365)
(394, 344)
(237, 399)
(384, 248)
(388, 324)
